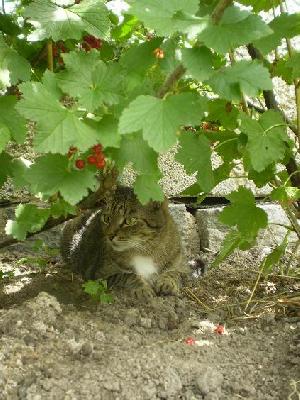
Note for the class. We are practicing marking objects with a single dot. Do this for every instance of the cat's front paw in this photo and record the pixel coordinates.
(166, 286)
(142, 293)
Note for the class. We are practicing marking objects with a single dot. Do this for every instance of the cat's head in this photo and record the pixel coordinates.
(129, 224)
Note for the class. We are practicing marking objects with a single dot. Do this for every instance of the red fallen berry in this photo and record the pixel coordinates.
(92, 159)
(97, 149)
(219, 329)
(159, 53)
(100, 164)
(72, 150)
(80, 163)
(190, 341)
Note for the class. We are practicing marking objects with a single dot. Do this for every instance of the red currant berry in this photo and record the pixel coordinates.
(159, 53)
(97, 149)
(219, 329)
(80, 164)
(91, 159)
(190, 341)
(100, 164)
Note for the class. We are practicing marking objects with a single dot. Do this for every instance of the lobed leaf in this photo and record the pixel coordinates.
(244, 214)
(237, 27)
(51, 174)
(13, 67)
(62, 23)
(58, 128)
(195, 155)
(160, 119)
(267, 139)
(29, 218)
(231, 82)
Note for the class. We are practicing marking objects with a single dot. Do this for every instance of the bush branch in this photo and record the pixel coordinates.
(171, 80)
(218, 12)
(271, 104)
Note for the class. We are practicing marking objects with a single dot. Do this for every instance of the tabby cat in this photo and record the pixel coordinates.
(130, 245)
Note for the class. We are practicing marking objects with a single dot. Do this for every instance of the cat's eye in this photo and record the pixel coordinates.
(130, 221)
(105, 218)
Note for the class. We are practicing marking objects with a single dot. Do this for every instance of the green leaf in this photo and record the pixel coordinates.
(29, 218)
(62, 208)
(134, 149)
(160, 119)
(147, 188)
(11, 120)
(50, 81)
(231, 82)
(284, 26)
(125, 30)
(195, 155)
(4, 136)
(90, 80)
(58, 128)
(237, 27)
(231, 241)
(19, 168)
(223, 112)
(139, 57)
(281, 69)
(107, 129)
(270, 261)
(294, 64)
(59, 23)
(5, 167)
(199, 62)
(262, 178)
(260, 5)
(13, 67)
(51, 174)
(168, 17)
(267, 139)
(92, 288)
(285, 194)
(244, 214)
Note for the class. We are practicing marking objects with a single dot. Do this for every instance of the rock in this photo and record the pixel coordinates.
(146, 322)
(213, 232)
(188, 229)
(209, 381)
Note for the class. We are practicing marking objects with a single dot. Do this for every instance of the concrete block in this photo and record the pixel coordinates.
(212, 231)
(188, 230)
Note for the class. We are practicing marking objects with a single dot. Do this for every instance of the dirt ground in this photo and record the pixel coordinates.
(57, 343)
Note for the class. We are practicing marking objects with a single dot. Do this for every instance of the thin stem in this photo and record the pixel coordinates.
(296, 81)
(50, 55)
(276, 48)
(218, 12)
(171, 80)
(3, 6)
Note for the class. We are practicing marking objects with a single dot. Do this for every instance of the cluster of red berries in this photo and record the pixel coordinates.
(96, 158)
(159, 53)
(91, 42)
